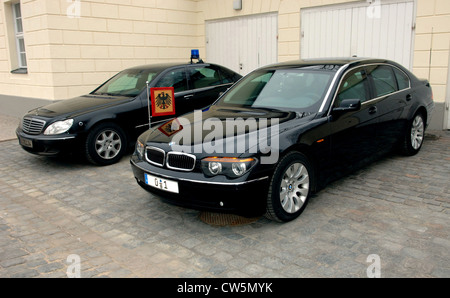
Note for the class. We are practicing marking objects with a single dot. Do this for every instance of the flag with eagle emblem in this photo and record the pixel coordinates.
(163, 101)
(170, 128)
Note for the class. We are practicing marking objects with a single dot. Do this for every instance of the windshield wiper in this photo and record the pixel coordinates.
(103, 93)
(304, 114)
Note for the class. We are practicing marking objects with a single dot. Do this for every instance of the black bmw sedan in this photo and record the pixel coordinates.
(103, 123)
(283, 132)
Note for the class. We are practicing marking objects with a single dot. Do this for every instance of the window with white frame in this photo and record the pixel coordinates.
(18, 30)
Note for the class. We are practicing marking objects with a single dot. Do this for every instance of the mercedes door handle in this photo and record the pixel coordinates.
(188, 96)
(408, 97)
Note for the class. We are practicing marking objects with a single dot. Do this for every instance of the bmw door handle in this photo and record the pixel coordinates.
(408, 97)
(373, 110)
(188, 96)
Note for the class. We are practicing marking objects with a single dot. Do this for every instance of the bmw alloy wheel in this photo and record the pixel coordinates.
(417, 132)
(290, 187)
(294, 188)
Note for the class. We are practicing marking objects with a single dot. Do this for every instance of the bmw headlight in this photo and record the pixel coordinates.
(59, 127)
(228, 166)
(140, 149)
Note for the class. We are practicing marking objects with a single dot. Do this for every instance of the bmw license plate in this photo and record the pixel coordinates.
(25, 142)
(162, 184)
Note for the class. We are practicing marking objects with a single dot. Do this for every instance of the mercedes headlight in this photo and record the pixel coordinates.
(59, 127)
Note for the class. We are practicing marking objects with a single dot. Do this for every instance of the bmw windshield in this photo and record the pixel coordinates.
(129, 83)
(300, 89)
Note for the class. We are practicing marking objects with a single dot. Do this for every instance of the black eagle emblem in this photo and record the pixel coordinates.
(163, 101)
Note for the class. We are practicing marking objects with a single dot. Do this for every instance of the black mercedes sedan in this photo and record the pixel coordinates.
(103, 123)
(282, 133)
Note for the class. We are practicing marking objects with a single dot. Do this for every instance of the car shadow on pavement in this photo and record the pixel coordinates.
(70, 161)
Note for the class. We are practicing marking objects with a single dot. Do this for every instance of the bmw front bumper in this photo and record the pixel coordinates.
(196, 191)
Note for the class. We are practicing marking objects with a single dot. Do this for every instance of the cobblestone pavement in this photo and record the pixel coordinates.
(397, 208)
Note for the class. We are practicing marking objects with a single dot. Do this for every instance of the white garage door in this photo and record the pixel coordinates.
(244, 43)
(383, 29)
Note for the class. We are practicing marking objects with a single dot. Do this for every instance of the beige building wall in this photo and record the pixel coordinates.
(37, 50)
(71, 49)
(73, 46)
(432, 45)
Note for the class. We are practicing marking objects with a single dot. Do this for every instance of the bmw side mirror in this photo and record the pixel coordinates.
(348, 105)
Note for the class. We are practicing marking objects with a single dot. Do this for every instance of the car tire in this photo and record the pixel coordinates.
(290, 188)
(414, 135)
(106, 144)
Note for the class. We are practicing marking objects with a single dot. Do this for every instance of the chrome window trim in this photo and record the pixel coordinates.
(409, 79)
(156, 149)
(390, 94)
(331, 86)
(212, 87)
(183, 154)
(373, 99)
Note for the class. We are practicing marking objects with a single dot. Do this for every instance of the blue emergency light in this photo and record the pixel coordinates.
(195, 54)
